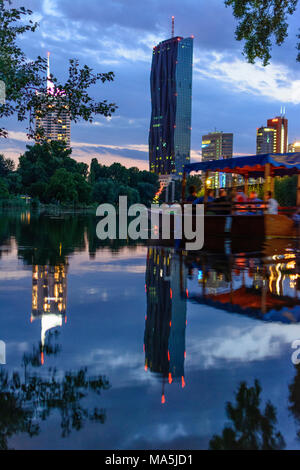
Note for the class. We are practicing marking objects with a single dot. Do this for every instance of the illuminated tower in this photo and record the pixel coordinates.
(280, 124)
(56, 126)
(171, 98)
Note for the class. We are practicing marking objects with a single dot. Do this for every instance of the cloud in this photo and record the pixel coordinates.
(242, 344)
(50, 7)
(275, 82)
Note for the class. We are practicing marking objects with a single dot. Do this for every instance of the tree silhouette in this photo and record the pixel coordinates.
(251, 429)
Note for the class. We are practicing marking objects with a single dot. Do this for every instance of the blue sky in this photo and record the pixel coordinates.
(228, 93)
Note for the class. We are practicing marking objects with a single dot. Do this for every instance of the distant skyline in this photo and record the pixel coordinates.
(228, 93)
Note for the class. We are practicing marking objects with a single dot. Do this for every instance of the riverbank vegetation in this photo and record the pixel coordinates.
(47, 174)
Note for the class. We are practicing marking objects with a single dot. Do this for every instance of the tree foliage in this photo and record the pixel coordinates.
(110, 182)
(25, 79)
(260, 23)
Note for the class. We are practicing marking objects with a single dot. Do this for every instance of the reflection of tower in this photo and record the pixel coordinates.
(166, 315)
(49, 297)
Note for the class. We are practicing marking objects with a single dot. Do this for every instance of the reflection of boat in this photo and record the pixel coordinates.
(164, 341)
(263, 288)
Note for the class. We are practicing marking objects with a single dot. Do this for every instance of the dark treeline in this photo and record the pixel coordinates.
(48, 174)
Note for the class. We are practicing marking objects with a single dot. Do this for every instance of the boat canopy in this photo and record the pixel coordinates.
(281, 164)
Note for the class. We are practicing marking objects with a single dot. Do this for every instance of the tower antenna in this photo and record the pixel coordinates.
(173, 25)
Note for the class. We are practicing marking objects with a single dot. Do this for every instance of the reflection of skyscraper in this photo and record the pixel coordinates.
(171, 95)
(166, 315)
(49, 296)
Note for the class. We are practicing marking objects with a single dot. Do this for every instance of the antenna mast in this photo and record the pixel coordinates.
(173, 25)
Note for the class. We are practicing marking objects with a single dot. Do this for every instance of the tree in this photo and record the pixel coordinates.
(62, 187)
(194, 180)
(119, 173)
(251, 429)
(40, 162)
(133, 196)
(6, 166)
(147, 192)
(97, 171)
(4, 193)
(25, 79)
(105, 191)
(260, 22)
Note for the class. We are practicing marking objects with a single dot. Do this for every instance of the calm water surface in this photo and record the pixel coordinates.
(113, 346)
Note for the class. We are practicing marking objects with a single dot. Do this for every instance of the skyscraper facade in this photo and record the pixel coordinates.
(266, 140)
(55, 126)
(274, 137)
(217, 145)
(171, 97)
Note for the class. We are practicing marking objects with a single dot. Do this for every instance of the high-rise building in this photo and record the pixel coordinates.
(280, 124)
(217, 145)
(294, 147)
(56, 126)
(266, 140)
(171, 97)
(274, 137)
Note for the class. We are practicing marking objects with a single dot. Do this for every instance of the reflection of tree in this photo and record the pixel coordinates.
(26, 402)
(250, 429)
(49, 348)
(294, 397)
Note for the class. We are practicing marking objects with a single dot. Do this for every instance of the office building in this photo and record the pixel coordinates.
(266, 140)
(171, 99)
(280, 124)
(56, 126)
(217, 145)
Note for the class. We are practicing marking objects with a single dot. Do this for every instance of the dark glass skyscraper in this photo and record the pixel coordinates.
(171, 97)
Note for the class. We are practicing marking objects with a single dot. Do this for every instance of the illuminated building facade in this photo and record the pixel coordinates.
(216, 146)
(56, 126)
(266, 140)
(171, 98)
(294, 147)
(49, 296)
(165, 328)
(280, 124)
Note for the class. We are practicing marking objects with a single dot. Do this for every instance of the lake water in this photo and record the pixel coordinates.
(128, 346)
